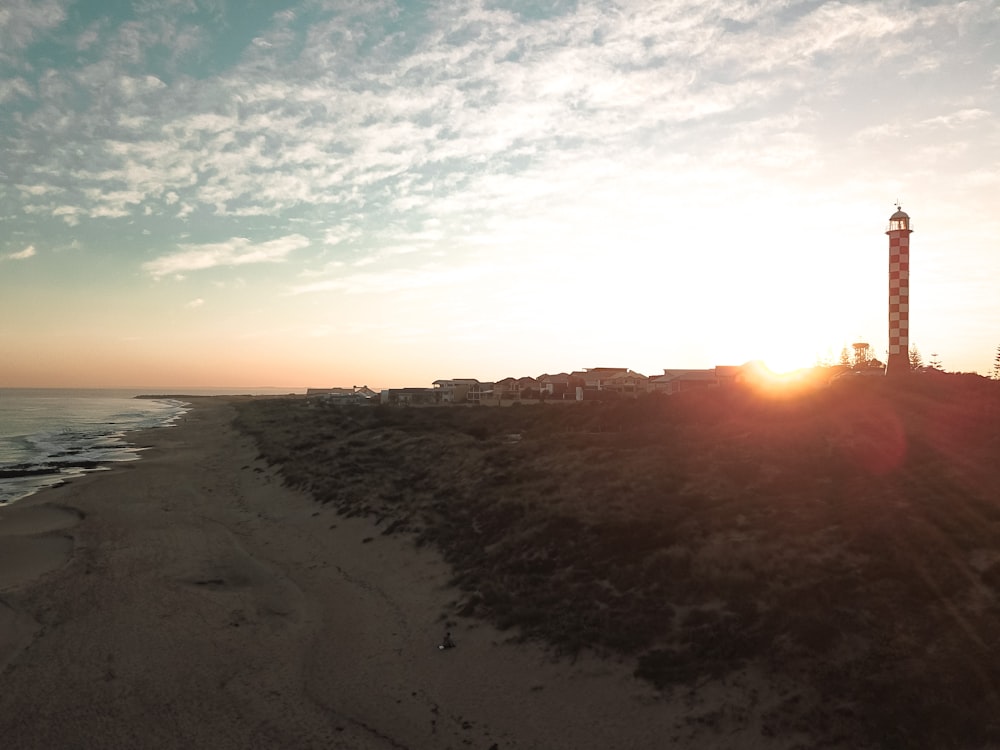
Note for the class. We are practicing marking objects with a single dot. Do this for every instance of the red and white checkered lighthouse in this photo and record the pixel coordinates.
(899, 293)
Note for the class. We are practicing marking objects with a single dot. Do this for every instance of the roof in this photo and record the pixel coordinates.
(624, 374)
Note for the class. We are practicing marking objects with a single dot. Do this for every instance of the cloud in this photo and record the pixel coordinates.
(69, 214)
(237, 251)
(28, 252)
(107, 212)
(22, 21)
(38, 190)
(14, 87)
(956, 119)
(195, 303)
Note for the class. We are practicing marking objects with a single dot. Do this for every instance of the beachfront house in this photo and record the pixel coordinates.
(619, 379)
(353, 395)
(676, 381)
(625, 382)
(455, 390)
(556, 386)
(515, 389)
(410, 396)
(480, 392)
(463, 390)
(506, 388)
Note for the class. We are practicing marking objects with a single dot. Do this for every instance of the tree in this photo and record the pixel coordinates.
(916, 361)
(996, 365)
(845, 358)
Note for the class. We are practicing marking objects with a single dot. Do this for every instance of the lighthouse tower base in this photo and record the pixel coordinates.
(897, 365)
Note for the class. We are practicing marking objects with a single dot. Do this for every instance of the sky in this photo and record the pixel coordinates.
(346, 192)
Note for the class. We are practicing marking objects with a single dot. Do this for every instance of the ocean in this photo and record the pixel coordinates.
(50, 435)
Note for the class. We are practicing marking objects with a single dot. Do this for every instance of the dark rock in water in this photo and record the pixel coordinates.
(38, 470)
(27, 471)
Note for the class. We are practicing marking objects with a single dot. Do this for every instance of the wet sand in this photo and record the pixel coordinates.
(190, 600)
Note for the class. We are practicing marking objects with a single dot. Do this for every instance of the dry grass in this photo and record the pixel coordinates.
(831, 538)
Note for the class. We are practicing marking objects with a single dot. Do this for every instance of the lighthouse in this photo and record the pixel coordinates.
(899, 293)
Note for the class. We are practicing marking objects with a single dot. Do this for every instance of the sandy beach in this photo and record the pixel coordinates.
(190, 600)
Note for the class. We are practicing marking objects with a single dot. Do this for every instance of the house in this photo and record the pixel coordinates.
(730, 374)
(354, 395)
(455, 390)
(590, 378)
(676, 381)
(506, 389)
(609, 379)
(554, 385)
(625, 382)
(330, 392)
(462, 390)
(480, 391)
(415, 396)
(527, 386)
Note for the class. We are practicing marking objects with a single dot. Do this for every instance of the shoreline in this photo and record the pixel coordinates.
(73, 438)
(189, 599)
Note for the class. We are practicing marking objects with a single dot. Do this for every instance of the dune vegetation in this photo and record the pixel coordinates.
(845, 539)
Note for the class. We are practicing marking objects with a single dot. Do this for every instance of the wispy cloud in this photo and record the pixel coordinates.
(237, 251)
(14, 87)
(28, 252)
(956, 119)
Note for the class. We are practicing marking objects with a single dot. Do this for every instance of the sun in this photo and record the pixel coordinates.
(786, 364)
(784, 385)
(782, 357)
